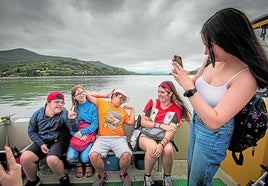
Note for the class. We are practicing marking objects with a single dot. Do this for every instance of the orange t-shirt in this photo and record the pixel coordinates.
(111, 119)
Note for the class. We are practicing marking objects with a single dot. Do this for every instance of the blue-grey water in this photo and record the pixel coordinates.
(22, 96)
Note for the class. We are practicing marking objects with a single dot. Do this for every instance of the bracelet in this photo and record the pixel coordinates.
(162, 144)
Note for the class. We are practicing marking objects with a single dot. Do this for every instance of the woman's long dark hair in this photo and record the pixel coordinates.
(231, 30)
(186, 115)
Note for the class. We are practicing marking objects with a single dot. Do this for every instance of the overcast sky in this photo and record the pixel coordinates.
(138, 35)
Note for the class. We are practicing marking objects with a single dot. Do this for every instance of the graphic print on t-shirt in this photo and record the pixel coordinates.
(168, 117)
(112, 119)
(161, 116)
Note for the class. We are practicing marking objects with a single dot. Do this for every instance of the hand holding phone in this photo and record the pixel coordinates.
(178, 60)
(12, 174)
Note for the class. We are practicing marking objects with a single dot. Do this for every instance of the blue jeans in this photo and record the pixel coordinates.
(206, 150)
(74, 156)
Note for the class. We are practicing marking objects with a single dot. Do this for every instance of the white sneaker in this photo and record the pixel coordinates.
(167, 181)
(148, 181)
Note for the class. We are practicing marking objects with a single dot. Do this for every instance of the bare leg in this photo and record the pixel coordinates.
(148, 145)
(97, 162)
(88, 170)
(124, 162)
(79, 170)
(56, 165)
(28, 162)
(167, 159)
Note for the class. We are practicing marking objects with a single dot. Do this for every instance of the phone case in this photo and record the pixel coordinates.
(178, 59)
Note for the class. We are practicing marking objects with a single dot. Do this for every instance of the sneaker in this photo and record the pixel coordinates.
(36, 182)
(167, 181)
(125, 179)
(64, 181)
(148, 181)
(100, 180)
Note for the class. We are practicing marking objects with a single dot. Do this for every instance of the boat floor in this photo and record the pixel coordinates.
(179, 172)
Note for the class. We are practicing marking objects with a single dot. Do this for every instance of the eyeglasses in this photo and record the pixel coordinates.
(80, 94)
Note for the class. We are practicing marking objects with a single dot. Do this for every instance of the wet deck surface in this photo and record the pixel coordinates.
(179, 172)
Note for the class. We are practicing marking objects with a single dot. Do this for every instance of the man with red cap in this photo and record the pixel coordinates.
(49, 129)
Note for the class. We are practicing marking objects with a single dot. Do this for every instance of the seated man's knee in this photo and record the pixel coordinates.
(94, 156)
(126, 156)
(28, 157)
(52, 160)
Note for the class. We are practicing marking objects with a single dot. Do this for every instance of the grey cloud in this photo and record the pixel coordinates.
(122, 33)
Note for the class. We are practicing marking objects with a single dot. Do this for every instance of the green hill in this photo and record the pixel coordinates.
(22, 62)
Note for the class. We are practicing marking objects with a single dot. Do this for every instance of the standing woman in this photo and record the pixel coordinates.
(238, 67)
(86, 112)
(167, 114)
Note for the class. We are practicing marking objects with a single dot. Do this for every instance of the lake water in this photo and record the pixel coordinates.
(22, 96)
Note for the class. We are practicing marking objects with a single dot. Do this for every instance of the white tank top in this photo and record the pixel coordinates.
(212, 94)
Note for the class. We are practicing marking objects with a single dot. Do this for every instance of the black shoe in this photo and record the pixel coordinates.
(36, 182)
(64, 181)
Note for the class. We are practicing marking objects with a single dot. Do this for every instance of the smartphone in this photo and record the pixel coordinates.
(3, 159)
(178, 60)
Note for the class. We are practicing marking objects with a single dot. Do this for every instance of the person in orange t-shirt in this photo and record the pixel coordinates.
(111, 135)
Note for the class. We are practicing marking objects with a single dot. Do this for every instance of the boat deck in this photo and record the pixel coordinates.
(179, 173)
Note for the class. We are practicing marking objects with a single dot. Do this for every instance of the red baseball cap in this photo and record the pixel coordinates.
(55, 95)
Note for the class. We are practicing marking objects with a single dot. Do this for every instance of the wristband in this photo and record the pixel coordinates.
(190, 92)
